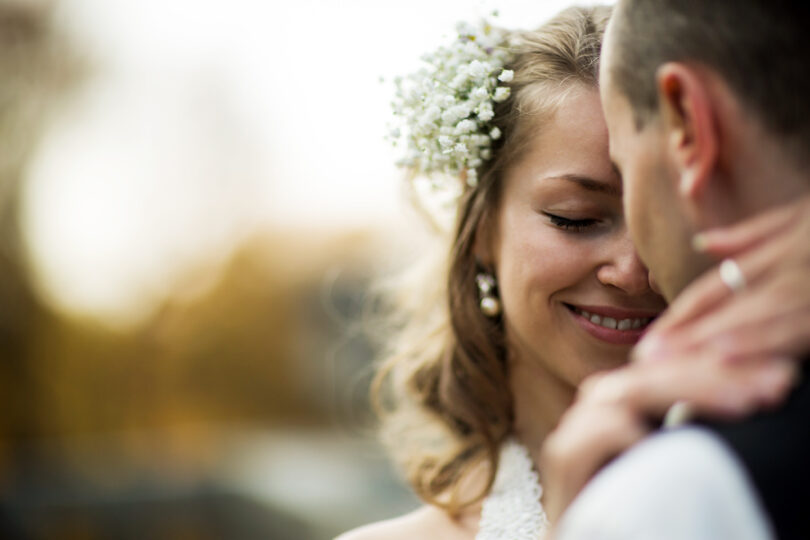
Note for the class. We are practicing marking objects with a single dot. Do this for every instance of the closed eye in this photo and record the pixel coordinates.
(572, 225)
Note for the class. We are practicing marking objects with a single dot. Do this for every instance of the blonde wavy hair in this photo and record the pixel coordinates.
(442, 393)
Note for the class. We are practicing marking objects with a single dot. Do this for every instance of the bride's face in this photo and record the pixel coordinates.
(575, 295)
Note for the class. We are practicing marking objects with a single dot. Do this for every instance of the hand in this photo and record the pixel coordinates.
(613, 410)
(770, 317)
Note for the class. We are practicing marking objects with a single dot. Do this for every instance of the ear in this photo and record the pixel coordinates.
(689, 125)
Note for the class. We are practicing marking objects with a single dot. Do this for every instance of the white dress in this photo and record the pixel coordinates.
(512, 510)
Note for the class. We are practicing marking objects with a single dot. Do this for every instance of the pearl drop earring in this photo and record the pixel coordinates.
(489, 303)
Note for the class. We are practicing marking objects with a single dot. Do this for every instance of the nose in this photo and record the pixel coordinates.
(623, 269)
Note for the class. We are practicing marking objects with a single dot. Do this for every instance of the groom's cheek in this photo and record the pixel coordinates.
(653, 284)
(634, 206)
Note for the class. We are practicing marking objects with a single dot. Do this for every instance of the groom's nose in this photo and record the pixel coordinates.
(624, 270)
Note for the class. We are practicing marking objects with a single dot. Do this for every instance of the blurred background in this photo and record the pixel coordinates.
(195, 199)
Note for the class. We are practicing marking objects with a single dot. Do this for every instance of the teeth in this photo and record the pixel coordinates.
(609, 322)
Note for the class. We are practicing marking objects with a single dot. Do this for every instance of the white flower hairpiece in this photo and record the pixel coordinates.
(445, 109)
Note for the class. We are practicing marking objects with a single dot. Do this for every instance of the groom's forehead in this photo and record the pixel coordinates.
(606, 84)
(616, 107)
(606, 52)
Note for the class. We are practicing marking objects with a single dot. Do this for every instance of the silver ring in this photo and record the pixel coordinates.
(731, 275)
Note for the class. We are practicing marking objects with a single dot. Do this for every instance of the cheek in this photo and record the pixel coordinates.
(535, 263)
(633, 207)
(637, 204)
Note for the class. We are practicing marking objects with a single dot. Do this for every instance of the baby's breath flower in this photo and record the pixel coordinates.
(501, 94)
(449, 116)
(506, 75)
(458, 81)
(471, 48)
(477, 69)
(480, 93)
(485, 112)
(466, 126)
(472, 177)
(446, 108)
(433, 113)
(480, 140)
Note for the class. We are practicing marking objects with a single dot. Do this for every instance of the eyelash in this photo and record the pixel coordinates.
(572, 225)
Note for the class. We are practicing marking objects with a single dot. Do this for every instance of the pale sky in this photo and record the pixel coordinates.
(205, 120)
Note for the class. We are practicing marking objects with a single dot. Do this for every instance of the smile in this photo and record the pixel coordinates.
(612, 325)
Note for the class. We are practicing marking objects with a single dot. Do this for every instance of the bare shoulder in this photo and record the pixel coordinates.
(425, 522)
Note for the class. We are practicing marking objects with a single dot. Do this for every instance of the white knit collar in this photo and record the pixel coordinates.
(512, 510)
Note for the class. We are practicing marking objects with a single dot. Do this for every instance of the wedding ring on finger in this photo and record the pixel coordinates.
(731, 275)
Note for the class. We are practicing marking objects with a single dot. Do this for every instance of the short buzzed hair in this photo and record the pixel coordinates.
(761, 48)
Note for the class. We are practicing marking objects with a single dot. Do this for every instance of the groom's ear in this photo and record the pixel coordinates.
(689, 126)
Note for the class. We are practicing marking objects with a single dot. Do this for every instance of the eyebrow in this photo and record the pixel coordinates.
(590, 184)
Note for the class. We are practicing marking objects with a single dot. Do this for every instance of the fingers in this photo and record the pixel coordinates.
(709, 290)
(713, 388)
(746, 234)
(788, 338)
(771, 319)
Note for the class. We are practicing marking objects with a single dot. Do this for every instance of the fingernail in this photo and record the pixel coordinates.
(700, 242)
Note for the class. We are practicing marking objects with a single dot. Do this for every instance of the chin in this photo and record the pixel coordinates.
(595, 362)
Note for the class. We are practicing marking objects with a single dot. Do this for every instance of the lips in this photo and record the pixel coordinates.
(613, 325)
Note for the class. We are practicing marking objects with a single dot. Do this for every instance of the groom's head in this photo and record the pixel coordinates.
(708, 108)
